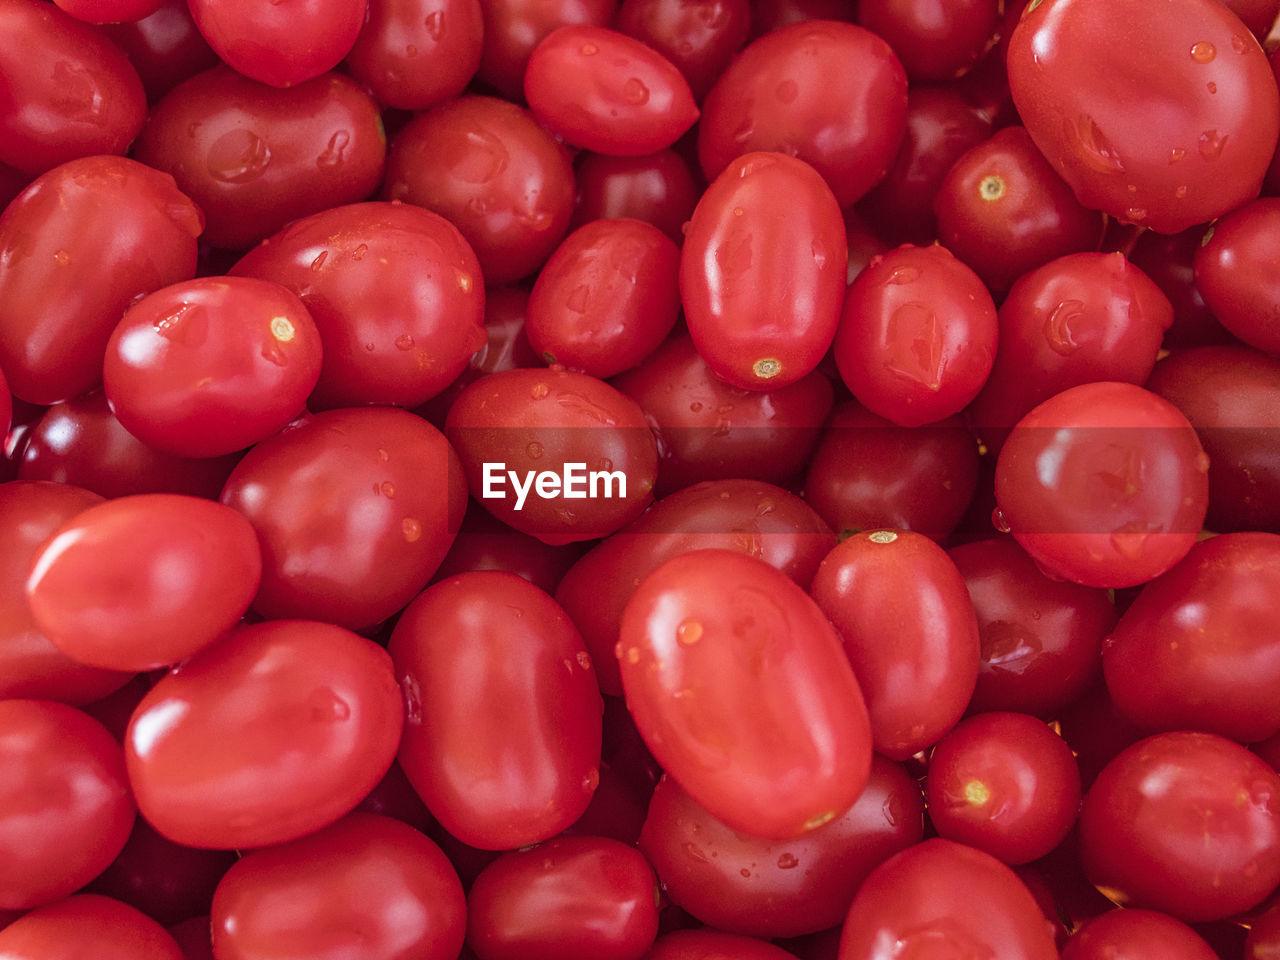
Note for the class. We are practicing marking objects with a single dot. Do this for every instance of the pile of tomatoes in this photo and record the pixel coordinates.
(639, 480)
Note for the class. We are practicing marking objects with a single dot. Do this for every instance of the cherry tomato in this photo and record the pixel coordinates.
(87, 925)
(1234, 271)
(657, 189)
(933, 41)
(1136, 934)
(293, 722)
(762, 271)
(497, 779)
(716, 649)
(1085, 75)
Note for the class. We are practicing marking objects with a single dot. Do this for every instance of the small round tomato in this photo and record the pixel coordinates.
(211, 366)
(87, 925)
(716, 649)
(1137, 934)
(762, 271)
(1235, 271)
(274, 732)
(933, 41)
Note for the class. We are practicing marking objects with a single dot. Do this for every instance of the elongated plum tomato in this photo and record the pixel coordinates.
(763, 271)
(1164, 121)
(739, 686)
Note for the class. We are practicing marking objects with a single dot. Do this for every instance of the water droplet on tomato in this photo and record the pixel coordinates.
(388, 489)
(62, 257)
(435, 24)
(689, 632)
(333, 151)
(238, 156)
(745, 131)
(412, 693)
(1202, 462)
(1176, 154)
(404, 342)
(588, 49)
(695, 853)
(539, 391)
(635, 92)
(1000, 521)
(411, 528)
(1238, 43)
(1211, 87)
(359, 252)
(318, 262)
(788, 861)
(904, 275)
(1093, 147)
(1202, 51)
(1180, 192)
(584, 659)
(1211, 144)
(328, 707)
(1058, 330)
(695, 406)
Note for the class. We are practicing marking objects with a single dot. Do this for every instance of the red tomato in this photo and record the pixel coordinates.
(512, 28)
(497, 779)
(762, 271)
(293, 722)
(943, 899)
(716, 649)
(707, 944)
(109, 11)
(657, 189)
(65, 808)
(354, 511)
(365, 887)
(1235, 271)
(87, 925)
(699, 39)
(909, 631)
(1164, 121)
(211, 366)
(933, 41)
(1137, 934)
(165, 47)
(195, 567)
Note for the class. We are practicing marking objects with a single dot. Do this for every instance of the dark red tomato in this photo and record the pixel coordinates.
(65, 808)
(68, 91)
(559, 455)
(762, 271)
(211, 366)
(1169, 260)
(497, 779)
(831, 94)
(30, 665)
(1264, 935)
(512, 28)
(1104, 484)
(868, 473)
(749, 516)
(716, 649)
(606, 298)
(713, 945)
(164, 47)
(194, 938)
(934, 41)
(1230, 396)
(1004, 783)
(709, 430)
(283, 43)
(909, 631)
(293, 722)
(778, 888)
(489, 168)
(1079, 318)
(395, 291)
(698, 38)
(1004, 211)
(1084, 75)
(657, 189)
(87, 925)
(109, 11)
(255, 157)
(940, 126)
(1258, 15)
(1137, 934)
(570, 897)
(354, 511)
(1041, 637)
(1235, 271)
(917, 335)
(1185, 822)
(414, 54)
(81, 442)
(1199, 649)
(943, 899)
(365, 887)
(486, 543)
(395, 797)
(101, 231)
(193, 571)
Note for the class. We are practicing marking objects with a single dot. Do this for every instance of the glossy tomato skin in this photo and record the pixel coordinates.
(1186, 823)
(1103, 484)
(909, 630)
(102, 230)
(284, 43)
(605, 91)
(354, 510)
(715, 650)
(1199, 649)
(933, 42)
(940, 898)
(832, 94)
(762, 271)
(512, 28)
(396, 294)
(571, 896)
(658, 188)
(488, 167)
(255, 157)
(65, 806)
(365, 873)
(1136, 934)
(699, 40)
(211, 366)
(1084, 74)
(917, 335)
(164, 47)
(768, 888)
(87, 924)
(1234, 270)
(497, 779)
(538, 421)
(68, 93)
(294, 722)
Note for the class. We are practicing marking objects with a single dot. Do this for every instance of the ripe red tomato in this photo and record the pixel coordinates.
(1235, 271)
(1137, 934)
(87, 925)
(716, 651)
